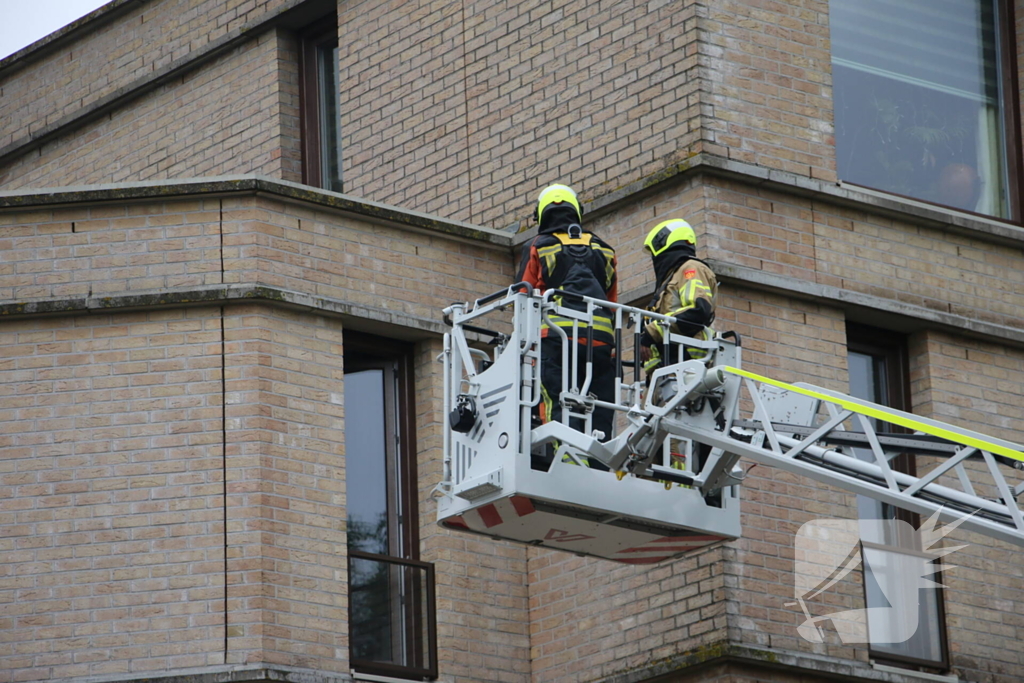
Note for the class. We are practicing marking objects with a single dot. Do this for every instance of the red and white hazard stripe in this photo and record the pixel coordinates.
(493, 514)
(663, 548)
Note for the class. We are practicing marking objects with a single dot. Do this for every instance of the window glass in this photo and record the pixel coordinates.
(366, 462)
(330, 117)
(867, 381)
(918, 102)
(320, 105)
(876, 363)
(390, 593)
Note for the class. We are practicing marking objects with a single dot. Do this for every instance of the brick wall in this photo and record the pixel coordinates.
(236, 114)
(948, 271)
(285, 572)
(761, 229)
(469, 112)
(352, 260)
(113, 518)
(285, 464)
(111, 505)
(290, 137)
(145, 39)
(592, 619)
(141, 247)
(76, 252)
(943, 270)
(768, 87)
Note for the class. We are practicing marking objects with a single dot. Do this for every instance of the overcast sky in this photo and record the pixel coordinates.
(23, 22)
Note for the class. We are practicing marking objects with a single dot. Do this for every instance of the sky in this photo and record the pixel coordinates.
(23, 22)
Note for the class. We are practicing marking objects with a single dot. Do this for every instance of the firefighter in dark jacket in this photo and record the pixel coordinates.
(564, 256)
(685, 288)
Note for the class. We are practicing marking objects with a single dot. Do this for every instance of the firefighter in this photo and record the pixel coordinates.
(564, 256)
(685, 288)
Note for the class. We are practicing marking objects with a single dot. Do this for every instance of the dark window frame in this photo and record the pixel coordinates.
(364, 351)
(1011, 120)
(1006, 26)
(323, 32)
(892, 347)
(412, 628)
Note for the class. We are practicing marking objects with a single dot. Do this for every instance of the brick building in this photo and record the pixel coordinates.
(227, 229)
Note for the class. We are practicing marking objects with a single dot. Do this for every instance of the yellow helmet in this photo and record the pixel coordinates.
(556, 194)
(667, 233)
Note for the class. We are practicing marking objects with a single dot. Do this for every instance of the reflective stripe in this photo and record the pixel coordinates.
(691, 290)
(880, 413)
(550, 256)
(546, 405)
(609, 271)
(655, 360)
(568, 322)
(707, 334)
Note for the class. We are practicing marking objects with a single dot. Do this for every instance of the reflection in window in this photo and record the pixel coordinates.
(391, 615)
(919, 100)
(330, 116)
(391, 593)
(319, 104)
(367, 462)
(878, 367)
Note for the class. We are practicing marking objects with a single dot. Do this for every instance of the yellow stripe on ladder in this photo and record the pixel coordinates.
(897, 417)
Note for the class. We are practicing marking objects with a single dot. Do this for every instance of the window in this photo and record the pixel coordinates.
(878, 373)
(319, 105)
(924, 101)
(391, 593)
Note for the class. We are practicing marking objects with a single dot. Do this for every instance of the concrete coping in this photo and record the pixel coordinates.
(897, 315)
(803, 665)
(859, 307)
(372, 320)
(835, 193)
(62, 197)
(689, 664)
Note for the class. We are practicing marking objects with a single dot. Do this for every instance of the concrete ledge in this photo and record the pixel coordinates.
(888, 313)
(223, 186)
(837, 194)
(800, 665)
(362, 318)
(247, 673)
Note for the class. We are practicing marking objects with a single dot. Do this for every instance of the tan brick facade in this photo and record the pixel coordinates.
(172, 354)
(198, 125)
(112, 55)
(112, 513)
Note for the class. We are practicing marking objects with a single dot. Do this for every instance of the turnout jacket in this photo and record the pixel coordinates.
(688, 295)
(580, 263)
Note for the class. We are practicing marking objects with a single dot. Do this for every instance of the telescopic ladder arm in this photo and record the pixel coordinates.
(783, 433)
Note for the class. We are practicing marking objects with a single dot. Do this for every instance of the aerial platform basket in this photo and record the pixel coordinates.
(490, 486)
(666, 482)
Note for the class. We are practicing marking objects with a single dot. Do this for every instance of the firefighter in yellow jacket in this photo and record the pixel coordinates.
(685, 289)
